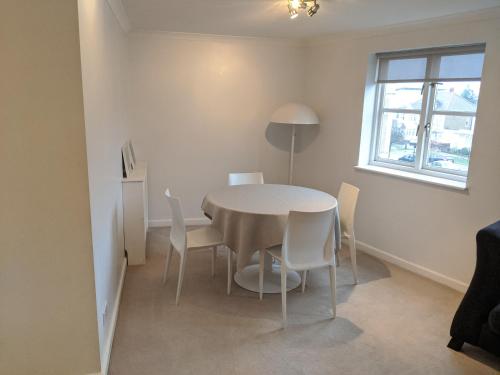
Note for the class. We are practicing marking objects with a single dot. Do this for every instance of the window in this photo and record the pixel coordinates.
(425, 110)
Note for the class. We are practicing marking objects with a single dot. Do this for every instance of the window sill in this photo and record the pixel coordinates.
(452, 184)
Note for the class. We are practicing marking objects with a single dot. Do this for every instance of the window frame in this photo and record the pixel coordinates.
(426, 113)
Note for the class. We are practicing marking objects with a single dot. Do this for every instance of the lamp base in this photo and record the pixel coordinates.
(248, 279)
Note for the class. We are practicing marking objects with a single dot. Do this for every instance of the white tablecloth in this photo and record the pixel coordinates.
(253, 217)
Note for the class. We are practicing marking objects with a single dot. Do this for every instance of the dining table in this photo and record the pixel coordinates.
(253, 218)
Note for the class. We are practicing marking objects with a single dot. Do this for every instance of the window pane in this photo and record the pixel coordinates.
(398, 137)
(457, 96)
(402, 69)
(450, 142)
(403, 95)
(459, 66)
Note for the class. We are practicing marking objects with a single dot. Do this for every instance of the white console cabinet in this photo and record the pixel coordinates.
(135, 213)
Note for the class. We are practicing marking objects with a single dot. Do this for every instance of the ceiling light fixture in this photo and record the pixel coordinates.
(310, 6)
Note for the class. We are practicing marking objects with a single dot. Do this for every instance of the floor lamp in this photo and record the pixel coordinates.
(294, 114)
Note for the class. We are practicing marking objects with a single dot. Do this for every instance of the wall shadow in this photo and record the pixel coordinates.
(279, 135)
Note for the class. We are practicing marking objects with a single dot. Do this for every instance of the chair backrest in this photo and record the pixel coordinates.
(245, 178)
(178, 228)
(307, 242)
(347, 199)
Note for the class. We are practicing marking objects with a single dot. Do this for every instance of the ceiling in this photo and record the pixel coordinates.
(270, 17)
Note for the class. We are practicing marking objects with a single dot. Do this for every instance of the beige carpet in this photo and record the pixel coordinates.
(393, 322)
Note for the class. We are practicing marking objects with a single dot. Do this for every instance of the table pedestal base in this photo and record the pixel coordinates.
(248, 279)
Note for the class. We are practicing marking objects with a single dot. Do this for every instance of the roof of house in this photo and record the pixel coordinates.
(449, 101)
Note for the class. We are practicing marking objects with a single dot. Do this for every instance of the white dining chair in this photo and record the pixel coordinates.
(239, 179)
(307, 244)
(182, 241)
(347, 200)
(245, 178)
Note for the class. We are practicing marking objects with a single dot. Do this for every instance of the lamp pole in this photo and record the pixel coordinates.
(292, 150)
(294, 114)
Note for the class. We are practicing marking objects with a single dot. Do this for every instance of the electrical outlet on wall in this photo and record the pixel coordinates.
(104, 312)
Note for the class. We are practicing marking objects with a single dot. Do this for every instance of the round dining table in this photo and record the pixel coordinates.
(253, 218)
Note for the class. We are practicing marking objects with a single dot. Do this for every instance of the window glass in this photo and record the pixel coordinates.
(457, 96)
(403, 69)
(398, 137)
(407, 95)
(450, 141)
(460, 66)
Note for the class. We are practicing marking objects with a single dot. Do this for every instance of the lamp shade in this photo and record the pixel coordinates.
(295, 114)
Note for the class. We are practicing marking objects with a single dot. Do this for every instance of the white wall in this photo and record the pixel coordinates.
(429, 226)
(200, 106)
(104, 64)
(47, 295)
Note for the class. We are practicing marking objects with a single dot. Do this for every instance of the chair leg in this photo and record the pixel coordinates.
(283, 292)
(167, 263)
(333, 287)
(214, 255)
(182, 269)
(262, 256)
(229, 270)
(304, 275)
(352, 250)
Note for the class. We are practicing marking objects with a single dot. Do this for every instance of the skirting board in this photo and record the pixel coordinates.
(116, 307)
(189, 221)
(412, 267)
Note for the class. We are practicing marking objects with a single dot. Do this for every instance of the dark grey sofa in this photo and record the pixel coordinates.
(477, 320)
